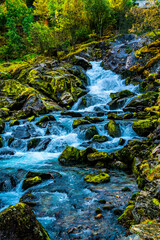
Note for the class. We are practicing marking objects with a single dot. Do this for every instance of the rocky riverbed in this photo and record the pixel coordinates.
(76, 165)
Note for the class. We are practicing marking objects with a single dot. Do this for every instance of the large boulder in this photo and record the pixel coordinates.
(70, 156)
(19, 222)
(113, 129)
(90, 132)
(144, 127)
(142, 101)
(80, 61)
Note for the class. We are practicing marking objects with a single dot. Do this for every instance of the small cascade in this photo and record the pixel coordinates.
(66, 206)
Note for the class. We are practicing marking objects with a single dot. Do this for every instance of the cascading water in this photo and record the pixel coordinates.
(66, 206)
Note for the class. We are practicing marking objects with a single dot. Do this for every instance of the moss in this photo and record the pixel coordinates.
(30, 119)
(100, 138)
(1, 141)
(144, 127)
(45, 119)
(156, 202)
(27, 226)
(141, 182)
(14, 122)
(70, 156)
(141, 211)
(127, 217)
(99, 178)
(113, 129)
(97, 156)
(114, 116)
(135, 195)
(30, 182)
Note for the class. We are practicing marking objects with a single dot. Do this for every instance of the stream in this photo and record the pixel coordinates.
(66, 206)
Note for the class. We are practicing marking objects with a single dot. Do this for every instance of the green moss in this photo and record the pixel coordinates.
(141, 182)
(135, 195)
(45, 119)
(114, 116)
(113, 129)
(144, 127)
(30, 182)
(99, 178)
(156, 202)
(141, 211)
(14, 122)
(97, 156)
(30, 119)
(127, 217)
(100, 138)
(70, 156)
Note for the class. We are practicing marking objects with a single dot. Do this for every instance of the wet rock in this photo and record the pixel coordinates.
(33, 143)
(102, 201)
(21, 132)
(4, 112)
(30, 182)
(31, 119)
(72, 114)
(117, 211)
(43, 121)
(102, 177)
(99, 138)
(7, 182)
(43, 144)
(66, 99)
(28, 199)
(120, 165)
(121, 94)
(43, 176)
(84, 153)
(14, 123)
(90, 132)
(6, 151)
(81, 62)
(144, 127)
(108, 207)
(86, 120)
(98, 210)
(1, 141)
(114, 116)
(70, 156)
(126, 189)
(2, 126)
(140, 102)
(99, 216)
(113, 129)
(117, 103)
(97, 156)
(121, 141)
(80, 73)
(19, 222)
(127, 217)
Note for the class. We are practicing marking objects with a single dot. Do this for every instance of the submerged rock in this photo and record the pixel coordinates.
(19, 222)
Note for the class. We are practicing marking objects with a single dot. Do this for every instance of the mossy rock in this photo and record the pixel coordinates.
(97, 156)
(79, 122)
(30, 182)
(84, 153)
(2, 126)
(121, 142)
(70, 156)
(4, 112)
(76, 60)
(14, 123)
(127, 217)
(113, 129)
(33, 143)
(102, 177)
(144, 127)
(121, 94)
(42, 122)
(114, 116)
(120, 165)
(31, 119)
(99, 138)
(43, 176)
(90, 132)
(1, 141)
(19, 222)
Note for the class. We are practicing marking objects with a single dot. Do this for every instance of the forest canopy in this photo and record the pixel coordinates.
(40, 26)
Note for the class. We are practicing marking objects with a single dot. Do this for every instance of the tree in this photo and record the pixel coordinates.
(145, 19)
(98, 12)
(73, 17)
